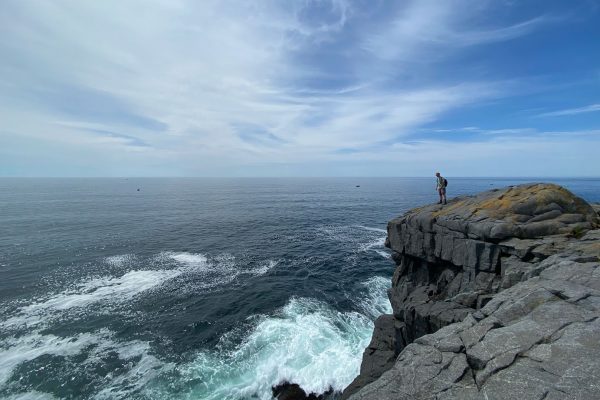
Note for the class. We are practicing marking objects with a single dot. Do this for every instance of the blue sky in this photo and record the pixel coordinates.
(300, 88)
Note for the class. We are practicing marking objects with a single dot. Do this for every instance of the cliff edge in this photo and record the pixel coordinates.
(495, 296)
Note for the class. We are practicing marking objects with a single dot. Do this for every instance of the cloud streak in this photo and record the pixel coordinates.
(572, 111)
(432, 28)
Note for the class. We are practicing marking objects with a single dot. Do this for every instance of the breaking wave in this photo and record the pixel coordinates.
(307, 342)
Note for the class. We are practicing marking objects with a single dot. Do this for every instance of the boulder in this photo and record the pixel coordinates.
(292, 391)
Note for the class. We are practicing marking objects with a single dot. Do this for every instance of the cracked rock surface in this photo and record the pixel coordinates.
(495, 296)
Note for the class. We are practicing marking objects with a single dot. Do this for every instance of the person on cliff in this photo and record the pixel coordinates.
(441, 187)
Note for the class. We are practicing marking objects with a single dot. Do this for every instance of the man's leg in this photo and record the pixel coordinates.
(441, 195)
(444, 195)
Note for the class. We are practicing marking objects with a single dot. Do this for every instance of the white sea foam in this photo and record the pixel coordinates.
(218, 270)
(143, 366)
(383, 253)
(372, 245)
(109, 291)
(105, 290)
(143, 370)
(33, 395)
(361, 239)
(118, 260)
(368, 228)
(375, 302)
(14, 351)
(264, 268)
(377, 245)
(189, 259)
(308, 343)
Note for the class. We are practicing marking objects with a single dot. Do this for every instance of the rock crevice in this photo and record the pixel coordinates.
(494, 296)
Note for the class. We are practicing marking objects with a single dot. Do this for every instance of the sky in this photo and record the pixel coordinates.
(300, 88)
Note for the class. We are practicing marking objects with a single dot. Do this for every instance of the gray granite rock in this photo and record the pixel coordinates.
(381, 353)
(495, 296)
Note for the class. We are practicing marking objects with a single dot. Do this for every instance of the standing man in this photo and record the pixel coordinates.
(441, 187)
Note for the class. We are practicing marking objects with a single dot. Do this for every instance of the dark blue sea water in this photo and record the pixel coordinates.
(197, 288)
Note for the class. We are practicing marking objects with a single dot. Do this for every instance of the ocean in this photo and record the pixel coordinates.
(194, 288)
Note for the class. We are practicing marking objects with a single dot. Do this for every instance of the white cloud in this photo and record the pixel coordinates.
(430, 28)
(572, 111)
(480, 131)
(202, 86)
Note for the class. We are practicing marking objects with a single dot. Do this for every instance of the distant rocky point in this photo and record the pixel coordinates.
(495, 296)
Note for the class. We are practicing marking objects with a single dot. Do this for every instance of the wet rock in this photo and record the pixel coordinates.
(292, 391)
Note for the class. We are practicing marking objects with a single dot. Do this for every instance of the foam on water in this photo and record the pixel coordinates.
(105, 290)
(264, 268)
(144, 369)
(33, 395)
(119, 260)
(108, 291)
(15, 351)
(362, 239)
(217, 271)
(307, 342)
(376, 243)
(368, 228)
(143, 366)
(375, 301)
(189, 259)
(383, 253)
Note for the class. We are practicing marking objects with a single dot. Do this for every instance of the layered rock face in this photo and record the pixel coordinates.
(495, 296)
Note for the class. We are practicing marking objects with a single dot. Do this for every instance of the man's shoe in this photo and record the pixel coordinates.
(440, 202)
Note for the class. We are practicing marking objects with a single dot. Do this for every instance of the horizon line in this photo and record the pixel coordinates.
(299, 177)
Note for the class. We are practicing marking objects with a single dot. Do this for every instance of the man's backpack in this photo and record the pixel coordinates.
(445, 182)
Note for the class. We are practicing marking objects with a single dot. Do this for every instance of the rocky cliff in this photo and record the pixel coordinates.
(495, 296)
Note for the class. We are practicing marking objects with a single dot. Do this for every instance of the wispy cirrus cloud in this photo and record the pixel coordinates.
(572, 111)
(481, 131)
(432, 28)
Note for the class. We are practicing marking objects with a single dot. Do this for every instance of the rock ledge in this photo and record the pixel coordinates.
(495, 296)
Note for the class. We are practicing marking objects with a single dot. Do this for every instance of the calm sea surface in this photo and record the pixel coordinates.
(197, 288)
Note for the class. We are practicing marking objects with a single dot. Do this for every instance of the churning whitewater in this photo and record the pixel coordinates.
(306, 341)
